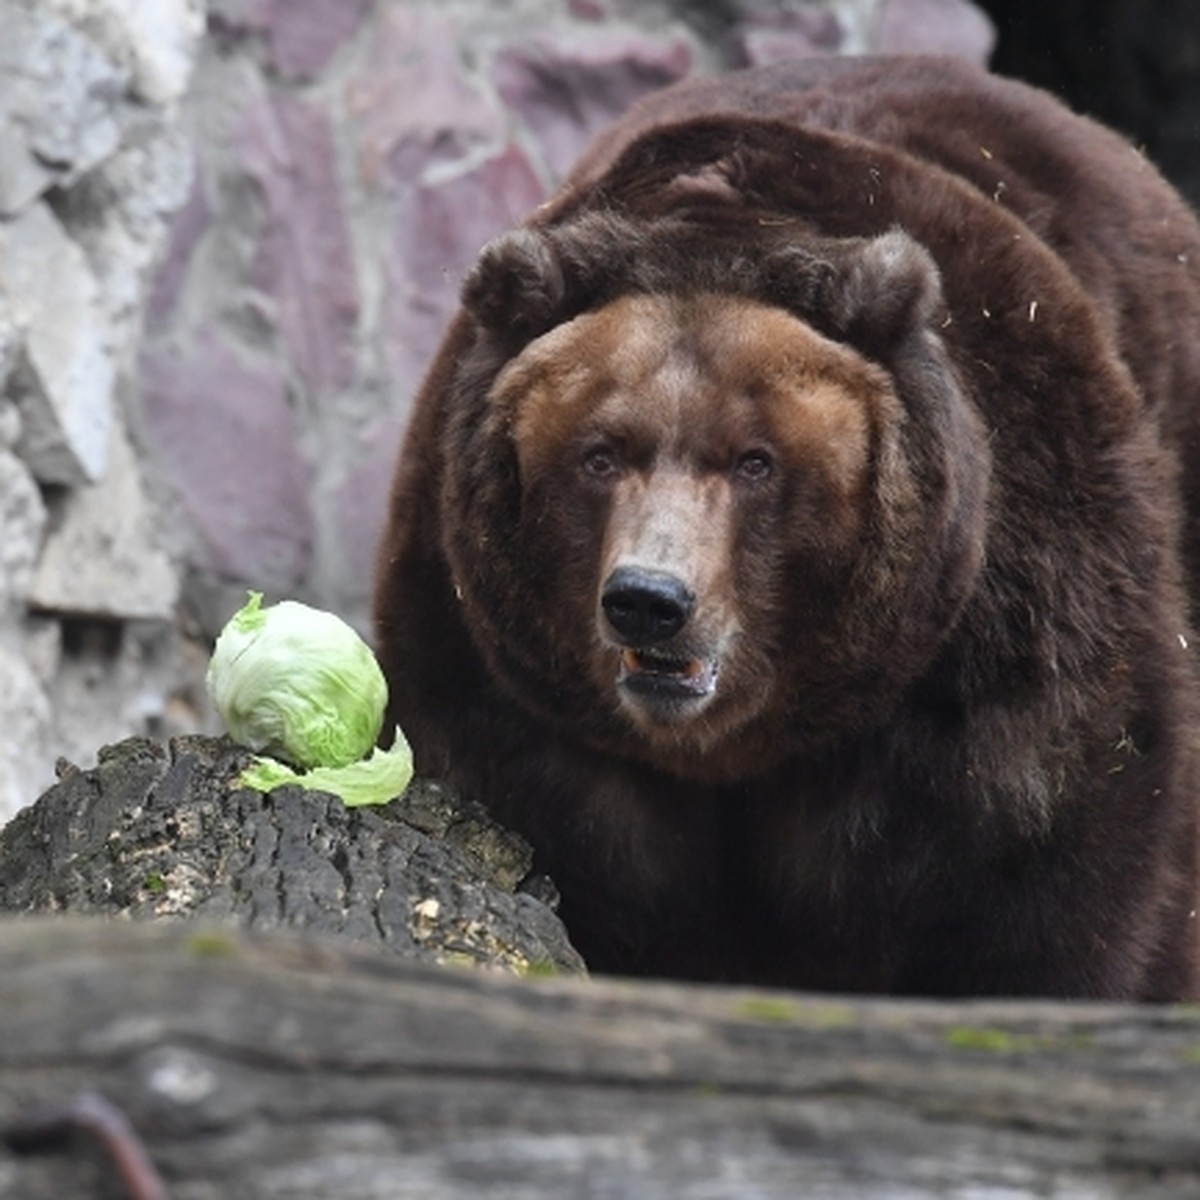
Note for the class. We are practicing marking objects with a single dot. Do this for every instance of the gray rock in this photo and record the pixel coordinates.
(119, 214)
(25, 719)
(101, 558)
(63, 379)
(155, 43)
(22, 521)
(10, 344)
(58, 104)
(92, 164)
(108, 680)
(164, 832)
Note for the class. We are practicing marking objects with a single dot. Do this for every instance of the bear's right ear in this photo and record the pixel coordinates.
(889, 286)
(516, 289)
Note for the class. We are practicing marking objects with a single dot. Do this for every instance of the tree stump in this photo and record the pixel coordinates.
(166, 832)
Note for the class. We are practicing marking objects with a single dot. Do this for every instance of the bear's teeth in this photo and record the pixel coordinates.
(644, 660)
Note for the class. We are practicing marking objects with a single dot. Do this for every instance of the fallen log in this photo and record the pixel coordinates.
(257, 1065)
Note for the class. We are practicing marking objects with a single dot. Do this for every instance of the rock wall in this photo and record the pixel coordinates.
(180, 421)
(93, 165)
(352, 156)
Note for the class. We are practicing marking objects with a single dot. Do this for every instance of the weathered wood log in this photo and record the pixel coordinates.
(264, 1066)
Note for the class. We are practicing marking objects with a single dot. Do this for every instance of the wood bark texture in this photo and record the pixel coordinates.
(258, 1065)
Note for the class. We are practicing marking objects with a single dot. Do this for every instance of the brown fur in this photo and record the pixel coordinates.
(677, 387)
(888, 369)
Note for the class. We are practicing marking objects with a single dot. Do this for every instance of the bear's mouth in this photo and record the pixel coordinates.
(666, 676)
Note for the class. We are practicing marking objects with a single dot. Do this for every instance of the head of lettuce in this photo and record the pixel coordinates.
(299, 685)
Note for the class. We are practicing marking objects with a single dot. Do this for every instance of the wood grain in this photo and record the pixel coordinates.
(266, 1066)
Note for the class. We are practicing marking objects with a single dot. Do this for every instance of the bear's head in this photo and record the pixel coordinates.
(710, 498)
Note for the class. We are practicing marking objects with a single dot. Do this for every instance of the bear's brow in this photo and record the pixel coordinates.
(644, 372)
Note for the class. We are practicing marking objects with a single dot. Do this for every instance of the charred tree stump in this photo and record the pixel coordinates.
(164, 831)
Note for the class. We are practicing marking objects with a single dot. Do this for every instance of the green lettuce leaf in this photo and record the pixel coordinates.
(374, 780)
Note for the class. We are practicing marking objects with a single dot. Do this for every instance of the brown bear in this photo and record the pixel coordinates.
(792, 536)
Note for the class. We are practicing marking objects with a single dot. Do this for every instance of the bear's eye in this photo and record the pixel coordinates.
(754, 466)
(601, 462)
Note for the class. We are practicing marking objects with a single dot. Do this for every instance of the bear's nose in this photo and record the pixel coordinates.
(646, 607)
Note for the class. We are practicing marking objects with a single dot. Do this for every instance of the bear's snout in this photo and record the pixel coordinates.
(660, 679)
(645, 607)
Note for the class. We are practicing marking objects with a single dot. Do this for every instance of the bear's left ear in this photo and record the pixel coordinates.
(516, 287)
(887, 287)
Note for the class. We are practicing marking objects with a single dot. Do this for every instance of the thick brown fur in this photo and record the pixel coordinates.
(889, 368)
